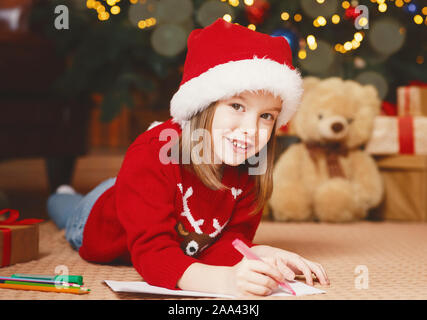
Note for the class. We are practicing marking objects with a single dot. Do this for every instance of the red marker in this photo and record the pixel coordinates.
(240, 246)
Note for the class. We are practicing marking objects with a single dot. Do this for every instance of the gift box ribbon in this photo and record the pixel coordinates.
(406, 135)
(7, 233)
(407, 94)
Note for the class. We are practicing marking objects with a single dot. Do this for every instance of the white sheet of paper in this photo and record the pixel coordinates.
(300, 289)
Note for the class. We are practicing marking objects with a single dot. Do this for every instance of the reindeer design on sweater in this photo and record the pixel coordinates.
(195, 241)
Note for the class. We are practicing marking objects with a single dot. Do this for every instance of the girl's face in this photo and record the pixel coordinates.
(242, 125)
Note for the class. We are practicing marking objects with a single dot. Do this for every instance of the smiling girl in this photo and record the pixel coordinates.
(175, 220)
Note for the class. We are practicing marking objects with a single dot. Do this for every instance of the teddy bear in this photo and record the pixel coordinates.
(327, 176)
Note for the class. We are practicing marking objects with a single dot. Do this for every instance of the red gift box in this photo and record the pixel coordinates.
(18, 239)
(398, 135)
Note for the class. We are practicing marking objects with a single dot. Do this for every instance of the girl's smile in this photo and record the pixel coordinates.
(242, 125)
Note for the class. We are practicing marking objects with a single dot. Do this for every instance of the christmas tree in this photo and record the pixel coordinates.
(115, 47)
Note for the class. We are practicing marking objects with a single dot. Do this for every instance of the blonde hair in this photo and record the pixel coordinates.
(208, 173)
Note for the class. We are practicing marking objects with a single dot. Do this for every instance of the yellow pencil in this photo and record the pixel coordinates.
(43, 288)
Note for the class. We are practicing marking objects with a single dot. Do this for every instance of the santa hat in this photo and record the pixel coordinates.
(225, 59)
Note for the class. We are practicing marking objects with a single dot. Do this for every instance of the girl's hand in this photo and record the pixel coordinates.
(290, 264)
(253, 277)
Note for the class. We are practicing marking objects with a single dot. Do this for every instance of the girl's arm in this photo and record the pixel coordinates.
(205, 278)
(248, 277)
(251, 277)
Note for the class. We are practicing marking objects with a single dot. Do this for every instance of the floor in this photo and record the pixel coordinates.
(364, 260)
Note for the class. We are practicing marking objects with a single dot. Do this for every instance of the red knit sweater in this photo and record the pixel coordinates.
(162, 218)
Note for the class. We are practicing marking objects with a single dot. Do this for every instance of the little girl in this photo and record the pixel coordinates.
(177, 203)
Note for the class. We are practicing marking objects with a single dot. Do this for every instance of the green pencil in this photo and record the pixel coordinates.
(63, 278)
(58, 286)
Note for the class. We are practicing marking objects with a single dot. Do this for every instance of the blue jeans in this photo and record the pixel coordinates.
(70, 211)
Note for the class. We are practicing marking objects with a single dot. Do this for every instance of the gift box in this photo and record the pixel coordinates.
(412, 101)
(19, 240)
(398, 135)
(405, 186)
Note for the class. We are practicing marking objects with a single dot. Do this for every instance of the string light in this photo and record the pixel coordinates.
(103, 16)
(249, 2)
(355, 44)
(311, 39)
(348, 46)
(90, 4)
(399, 3)
(252, 27)
(345, 4)
(302, 54)
(363, 22)
(233, 3)
(150, 22)
(311, 42)
(342, 50)
(382, 7)
(321, 20)
(142, 24)
(100, 9)
(284, 16)
(111, 2)
(418, 19)
(424, 11)
(336, 19)
(358, 37)
(297, 17)
(320, 1)
(115, 10)
(227, 17)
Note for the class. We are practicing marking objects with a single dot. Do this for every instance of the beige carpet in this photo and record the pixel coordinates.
(392, 257)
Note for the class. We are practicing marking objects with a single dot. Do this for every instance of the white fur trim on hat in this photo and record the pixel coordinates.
(226, 80)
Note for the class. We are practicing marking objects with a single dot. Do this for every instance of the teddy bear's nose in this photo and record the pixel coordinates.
(337, 127)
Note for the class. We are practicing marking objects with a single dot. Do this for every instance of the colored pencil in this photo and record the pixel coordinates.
(40, 281)
(28, 283)
(43, 288)
(64, 278)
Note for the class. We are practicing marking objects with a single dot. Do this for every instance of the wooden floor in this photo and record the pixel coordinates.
(25, 185)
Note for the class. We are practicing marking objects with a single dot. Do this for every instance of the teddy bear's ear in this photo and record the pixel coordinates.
(371, 93)
(309, 82)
